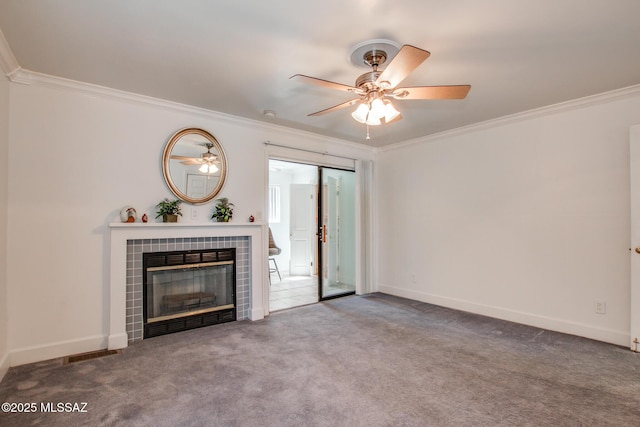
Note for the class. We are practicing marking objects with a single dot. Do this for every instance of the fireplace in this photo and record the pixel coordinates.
(129, 241)
(188, 289)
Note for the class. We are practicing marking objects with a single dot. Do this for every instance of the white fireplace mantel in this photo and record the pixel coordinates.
(122, 232)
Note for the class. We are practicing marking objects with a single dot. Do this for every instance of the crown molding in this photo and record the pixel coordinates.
(22, 76)
(32, 78)
(574, 104)
(8, 61)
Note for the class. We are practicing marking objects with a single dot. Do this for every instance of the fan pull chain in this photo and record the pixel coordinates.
(368, 137)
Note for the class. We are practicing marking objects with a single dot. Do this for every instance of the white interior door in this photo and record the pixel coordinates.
(634, 150)
(303, 229)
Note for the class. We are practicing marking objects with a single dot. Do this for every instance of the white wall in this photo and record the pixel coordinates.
(78, 156)
(526, 219)
(4, 166)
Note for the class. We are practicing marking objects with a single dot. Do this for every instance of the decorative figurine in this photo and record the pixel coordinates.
(251, 218)
(145, 218)
(128, 214)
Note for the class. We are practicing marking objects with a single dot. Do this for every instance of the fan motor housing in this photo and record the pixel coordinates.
(367, 80)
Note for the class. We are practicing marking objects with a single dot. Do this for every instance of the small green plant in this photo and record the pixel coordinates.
(168, 207)
(223, 210)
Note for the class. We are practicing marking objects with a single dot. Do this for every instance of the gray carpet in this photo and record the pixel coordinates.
(375, 360)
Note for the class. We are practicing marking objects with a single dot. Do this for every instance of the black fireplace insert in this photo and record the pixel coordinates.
(188, 289)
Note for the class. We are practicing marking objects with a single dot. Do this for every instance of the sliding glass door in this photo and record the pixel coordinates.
(336, 232)
(312, 221)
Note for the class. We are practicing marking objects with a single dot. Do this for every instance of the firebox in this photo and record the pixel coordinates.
(188, 289)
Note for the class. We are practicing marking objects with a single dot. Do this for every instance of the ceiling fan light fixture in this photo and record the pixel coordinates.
(390, 112)
(372, 120)
(377, 108)
(361, 113)
(371, 113)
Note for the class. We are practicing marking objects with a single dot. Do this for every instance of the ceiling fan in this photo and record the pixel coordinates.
(375, 89)
(208, 161)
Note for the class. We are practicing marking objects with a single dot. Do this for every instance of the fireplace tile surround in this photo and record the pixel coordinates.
(135, 249)
(129, 241)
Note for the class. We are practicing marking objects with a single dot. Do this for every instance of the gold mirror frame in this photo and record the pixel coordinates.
(181, 140)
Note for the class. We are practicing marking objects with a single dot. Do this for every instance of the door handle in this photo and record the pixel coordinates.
(638, 249)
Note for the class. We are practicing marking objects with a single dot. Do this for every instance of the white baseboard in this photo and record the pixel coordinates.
(117, 341)
(553, 324)
(39, 353)
(4, 365)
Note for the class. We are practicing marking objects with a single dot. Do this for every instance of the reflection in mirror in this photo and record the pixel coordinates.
(194, 165)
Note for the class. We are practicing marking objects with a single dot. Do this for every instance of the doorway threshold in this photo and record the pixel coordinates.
(292, 291)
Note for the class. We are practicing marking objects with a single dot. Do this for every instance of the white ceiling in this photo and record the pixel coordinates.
(236, 56)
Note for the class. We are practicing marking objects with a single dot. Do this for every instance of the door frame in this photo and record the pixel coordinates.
(634, 192)
(296, 155)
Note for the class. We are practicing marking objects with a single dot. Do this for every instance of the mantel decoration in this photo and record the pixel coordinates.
(169, 210)
(223, 210)
(128, 214)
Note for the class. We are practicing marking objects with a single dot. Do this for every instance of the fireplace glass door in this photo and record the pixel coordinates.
(188, 289)
(176, 291)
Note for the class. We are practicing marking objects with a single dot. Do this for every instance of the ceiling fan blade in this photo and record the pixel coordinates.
(176, 157)
(335, 107)
(432, 92)
(324, 83)
(191, 162)
(406, 60)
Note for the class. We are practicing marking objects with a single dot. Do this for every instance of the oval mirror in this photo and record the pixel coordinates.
(194, 165)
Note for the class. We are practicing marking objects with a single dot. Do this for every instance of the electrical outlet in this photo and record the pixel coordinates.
(194, 214)
(600, 307)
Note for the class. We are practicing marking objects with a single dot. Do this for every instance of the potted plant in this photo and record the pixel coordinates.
(223, 211)
(169, 210)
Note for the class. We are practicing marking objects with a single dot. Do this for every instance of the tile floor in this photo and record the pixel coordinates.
(292, 291)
